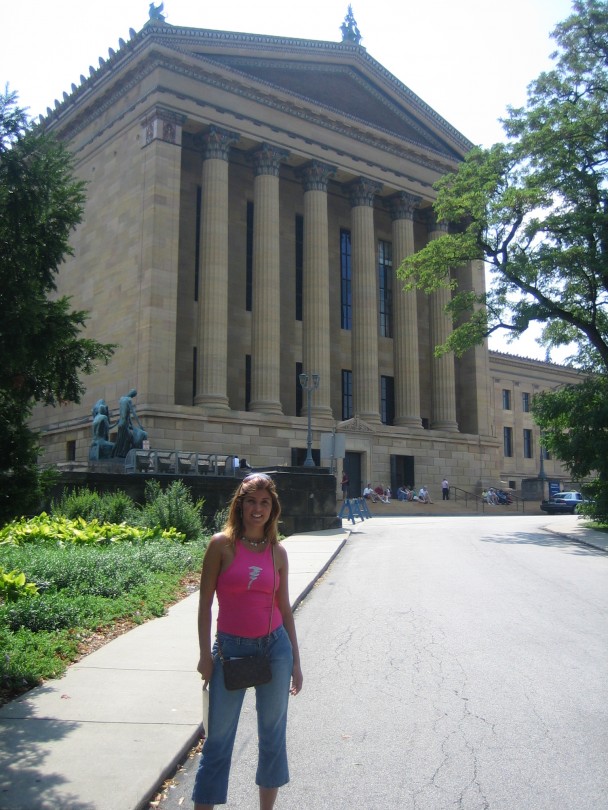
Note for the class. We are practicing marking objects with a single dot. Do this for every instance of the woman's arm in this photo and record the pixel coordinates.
(212, 564)
(284, 606)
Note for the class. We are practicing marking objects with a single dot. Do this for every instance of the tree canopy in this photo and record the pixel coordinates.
(42, 351)
(535, 209)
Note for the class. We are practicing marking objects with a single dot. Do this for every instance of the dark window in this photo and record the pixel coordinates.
(527, 443)
(347, 394)
(197, 241)
(299, 264)
(506, 399)
(299, 390)
(525, 402)
(247, 381)
(70, 450)
(249, 259)
(508, 441)
(546, 454)
(385, 281)
(194, 372)
(387, 400)
(346, 320)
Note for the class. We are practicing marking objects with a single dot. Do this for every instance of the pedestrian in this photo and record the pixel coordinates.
(445, 490)
(247, 569)
(344, 483)
(423, 495)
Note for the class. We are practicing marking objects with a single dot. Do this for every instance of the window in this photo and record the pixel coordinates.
(506, 399)
(247, 381)
(527, 443)
(70, 450)
(194, 372)
(387, 400)
(299, 264)
(197, 240)
(385, 281)
(249, 260)
(346, 303)
(508, 441)
(525, 402)
(546, 454)
(347, 394)
(299, 390)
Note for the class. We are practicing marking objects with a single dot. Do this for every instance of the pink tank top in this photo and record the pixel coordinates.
(244, 594)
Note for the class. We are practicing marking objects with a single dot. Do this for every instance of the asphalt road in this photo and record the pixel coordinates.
(448, 663)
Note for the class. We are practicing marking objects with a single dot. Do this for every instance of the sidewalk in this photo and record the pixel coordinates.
(105, 735)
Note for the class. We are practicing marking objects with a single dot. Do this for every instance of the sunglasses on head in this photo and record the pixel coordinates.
(253, 476)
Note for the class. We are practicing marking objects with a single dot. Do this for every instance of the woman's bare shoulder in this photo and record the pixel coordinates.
(280, 553)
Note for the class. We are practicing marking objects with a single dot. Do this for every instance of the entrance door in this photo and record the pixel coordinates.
(352, 467)
(402, 472)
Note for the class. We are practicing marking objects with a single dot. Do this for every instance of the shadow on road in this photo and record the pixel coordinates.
(571, 545)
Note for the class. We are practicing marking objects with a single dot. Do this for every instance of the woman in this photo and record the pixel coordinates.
(238, 567)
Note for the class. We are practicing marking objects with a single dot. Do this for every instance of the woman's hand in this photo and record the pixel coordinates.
(205, 667)
(296, 679)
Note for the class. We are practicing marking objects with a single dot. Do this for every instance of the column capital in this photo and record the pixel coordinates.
(315, 175)
(403, 205)
(267, 159)
(164, 125)
(216, 143)
(436, 225)
(363, 191)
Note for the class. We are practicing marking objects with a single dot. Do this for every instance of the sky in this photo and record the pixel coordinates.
(468, 60)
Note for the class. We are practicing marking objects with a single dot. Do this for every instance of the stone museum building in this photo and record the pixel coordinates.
(249, 199)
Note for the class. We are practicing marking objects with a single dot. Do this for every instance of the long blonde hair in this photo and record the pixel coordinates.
(233, 528)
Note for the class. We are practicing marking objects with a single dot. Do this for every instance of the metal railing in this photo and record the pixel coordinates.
(480, 503)
(178, 462)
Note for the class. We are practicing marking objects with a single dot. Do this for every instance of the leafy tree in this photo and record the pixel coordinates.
(574, 423)
(536, 209)
(42, 354)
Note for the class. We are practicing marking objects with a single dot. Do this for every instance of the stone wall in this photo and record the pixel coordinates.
(308, 498)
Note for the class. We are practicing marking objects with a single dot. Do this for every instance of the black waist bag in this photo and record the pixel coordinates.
(241, 673)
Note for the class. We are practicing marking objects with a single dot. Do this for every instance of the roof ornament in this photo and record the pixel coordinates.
(155, 12)
(350, 32)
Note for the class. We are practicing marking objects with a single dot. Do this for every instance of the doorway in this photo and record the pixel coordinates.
(402, 472)
(352, 467)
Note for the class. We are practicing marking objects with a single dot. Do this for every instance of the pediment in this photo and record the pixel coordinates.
(334, 85)
(355, 425)
(343, 89)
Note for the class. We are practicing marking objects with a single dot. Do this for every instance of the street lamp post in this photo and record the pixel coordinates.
(309, 383)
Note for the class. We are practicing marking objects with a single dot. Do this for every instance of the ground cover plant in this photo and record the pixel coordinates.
(71, 580)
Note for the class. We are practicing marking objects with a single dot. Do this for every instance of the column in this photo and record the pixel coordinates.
(266, 314)
(405, 316)
(155, 337)
(475, 380)
(212, 373)
(443, 378)
(316, 348)
(366, 382)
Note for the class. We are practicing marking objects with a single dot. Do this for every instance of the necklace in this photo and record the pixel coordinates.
(255, 543)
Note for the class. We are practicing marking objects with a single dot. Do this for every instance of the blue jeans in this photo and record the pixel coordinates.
(271, 699)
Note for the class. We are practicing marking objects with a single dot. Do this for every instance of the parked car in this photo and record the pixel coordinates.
(564, 503)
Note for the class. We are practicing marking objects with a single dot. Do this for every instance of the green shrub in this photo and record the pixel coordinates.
(14, 586)
(59, 530)
(219, 519)
(108, 507)
(49, 612)
(173, 508)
